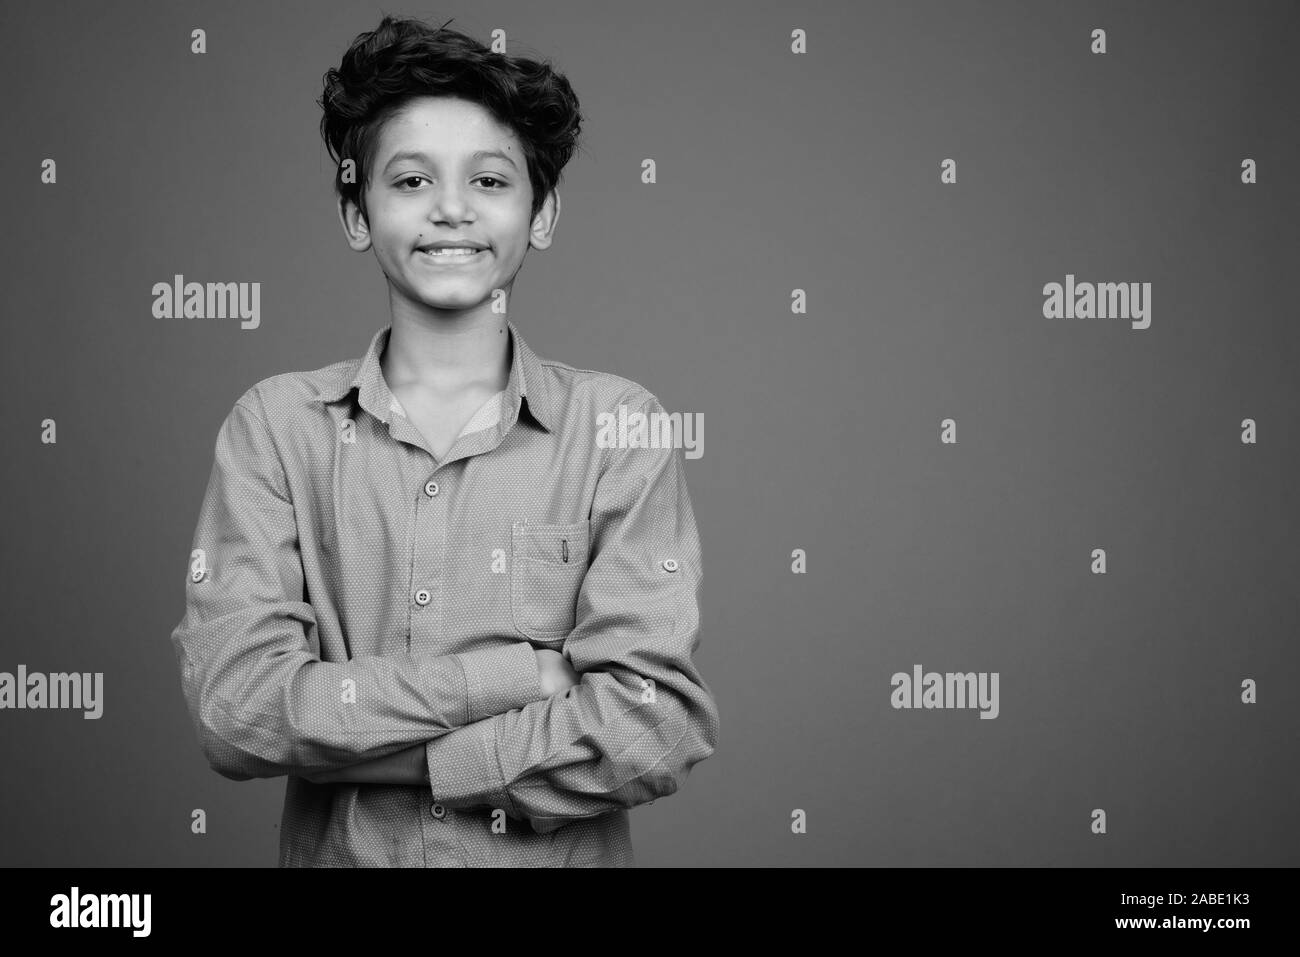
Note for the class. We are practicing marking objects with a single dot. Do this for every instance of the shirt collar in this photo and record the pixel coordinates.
(528, 385)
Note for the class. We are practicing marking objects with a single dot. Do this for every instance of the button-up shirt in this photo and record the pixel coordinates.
(349, 596)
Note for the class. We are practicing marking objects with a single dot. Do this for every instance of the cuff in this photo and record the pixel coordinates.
(498, 680)
(465, 768)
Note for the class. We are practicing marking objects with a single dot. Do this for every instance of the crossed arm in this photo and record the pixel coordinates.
(411, 765)
(496, 727)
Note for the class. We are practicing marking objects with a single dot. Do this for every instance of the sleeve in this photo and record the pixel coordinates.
(262, 701)
(641, 716)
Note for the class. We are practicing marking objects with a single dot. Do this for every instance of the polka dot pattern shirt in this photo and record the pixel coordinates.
(349, 596)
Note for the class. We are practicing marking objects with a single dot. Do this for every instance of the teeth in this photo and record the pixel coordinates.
(451, 251)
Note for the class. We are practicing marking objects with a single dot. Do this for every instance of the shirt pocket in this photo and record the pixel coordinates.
(547, 565)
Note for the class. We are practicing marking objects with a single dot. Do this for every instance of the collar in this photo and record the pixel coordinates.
(528, 383)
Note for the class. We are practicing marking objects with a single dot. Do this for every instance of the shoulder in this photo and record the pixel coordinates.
(610, 414)
(288, 397)
(584, 393)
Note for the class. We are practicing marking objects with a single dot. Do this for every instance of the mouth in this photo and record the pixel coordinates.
(452, 255)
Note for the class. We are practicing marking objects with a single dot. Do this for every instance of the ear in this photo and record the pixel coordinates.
(543, 229)
(355, 227)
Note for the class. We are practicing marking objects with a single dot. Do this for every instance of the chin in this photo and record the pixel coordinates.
(453, 301)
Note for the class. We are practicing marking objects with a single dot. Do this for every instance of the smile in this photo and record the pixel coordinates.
(453, 257)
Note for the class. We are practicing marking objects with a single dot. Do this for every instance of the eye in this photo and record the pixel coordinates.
(500, 183)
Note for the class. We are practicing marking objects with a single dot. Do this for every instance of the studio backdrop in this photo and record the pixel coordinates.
(988, 310)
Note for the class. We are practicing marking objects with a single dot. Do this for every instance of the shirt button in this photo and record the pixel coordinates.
(438, 811)
(431, 489)
(670, 565)
(422, 596)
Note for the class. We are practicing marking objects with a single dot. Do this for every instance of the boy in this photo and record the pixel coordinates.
(419, 587)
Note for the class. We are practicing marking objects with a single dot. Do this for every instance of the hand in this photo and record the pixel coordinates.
(555, 671)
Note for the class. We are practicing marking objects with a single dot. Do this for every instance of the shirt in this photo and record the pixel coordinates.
(350, 596)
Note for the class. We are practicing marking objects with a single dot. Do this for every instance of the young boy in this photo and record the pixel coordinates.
(420, 588)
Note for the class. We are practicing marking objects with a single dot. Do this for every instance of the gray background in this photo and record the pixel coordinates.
(775, 171)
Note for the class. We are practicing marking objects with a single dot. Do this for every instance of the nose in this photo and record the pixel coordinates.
(450, 205)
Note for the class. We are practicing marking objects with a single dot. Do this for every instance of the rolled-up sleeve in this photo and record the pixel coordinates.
(642, 716)
(262, 701)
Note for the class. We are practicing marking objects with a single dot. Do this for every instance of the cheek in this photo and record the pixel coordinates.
(514, 247)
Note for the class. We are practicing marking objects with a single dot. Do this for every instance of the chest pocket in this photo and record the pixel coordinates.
(547, 565)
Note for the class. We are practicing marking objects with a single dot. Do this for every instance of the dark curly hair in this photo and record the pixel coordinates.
(406, 58)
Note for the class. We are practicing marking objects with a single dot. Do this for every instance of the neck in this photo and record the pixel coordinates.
(448, 357)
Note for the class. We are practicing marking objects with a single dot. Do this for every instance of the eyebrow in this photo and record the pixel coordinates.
(424, 157)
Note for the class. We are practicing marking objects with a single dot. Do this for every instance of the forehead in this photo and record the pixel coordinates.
(445, 126)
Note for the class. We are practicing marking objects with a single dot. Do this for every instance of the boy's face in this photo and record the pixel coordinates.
(448, 194)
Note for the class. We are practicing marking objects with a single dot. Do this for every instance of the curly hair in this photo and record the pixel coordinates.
(405, 58)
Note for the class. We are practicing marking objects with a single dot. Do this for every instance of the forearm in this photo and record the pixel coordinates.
(411, 765)
(291, 714)
(407, 766)
(568, 757)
